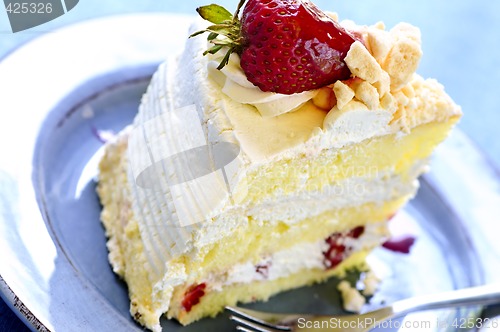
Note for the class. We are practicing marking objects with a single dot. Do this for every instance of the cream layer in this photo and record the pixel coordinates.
(293, 260)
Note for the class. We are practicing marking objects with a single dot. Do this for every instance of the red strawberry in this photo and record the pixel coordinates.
(402, 245)
(337, 251)
(193, 295)
(335, 254)
(355, 233)
(286, 46)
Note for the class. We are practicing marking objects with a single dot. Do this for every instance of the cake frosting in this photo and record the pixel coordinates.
(276, 162)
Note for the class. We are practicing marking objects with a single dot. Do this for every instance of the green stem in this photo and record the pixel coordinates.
(237, 13)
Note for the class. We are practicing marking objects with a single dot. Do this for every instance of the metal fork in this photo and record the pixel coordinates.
(251, 320)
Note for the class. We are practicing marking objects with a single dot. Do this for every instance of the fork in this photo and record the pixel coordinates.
(251, 320)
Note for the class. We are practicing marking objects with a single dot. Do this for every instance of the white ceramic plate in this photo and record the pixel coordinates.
(63, 92)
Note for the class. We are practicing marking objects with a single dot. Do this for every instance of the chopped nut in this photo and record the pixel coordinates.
(408, 91)
(401, 99)
(362, 64)
(368, 94)
(400, 118)
(343, 93)
(408, 31)
(384, 84)
(325, 98)
(389, 103)
(380, 42)
(402, 62)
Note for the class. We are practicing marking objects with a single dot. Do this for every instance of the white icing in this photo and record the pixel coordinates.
(355, 122)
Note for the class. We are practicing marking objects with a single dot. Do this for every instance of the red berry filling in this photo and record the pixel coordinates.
(193, 295)
(401, 245)
(337, 251)
(356, 232)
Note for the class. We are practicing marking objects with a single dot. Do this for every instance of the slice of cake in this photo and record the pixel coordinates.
(267, 164)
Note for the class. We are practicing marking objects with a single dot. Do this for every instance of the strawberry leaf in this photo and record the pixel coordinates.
(222, 29)
(214, 13)
(225, 31)
(213, 49)
(197, 33)
(225, 60)
(212, 36)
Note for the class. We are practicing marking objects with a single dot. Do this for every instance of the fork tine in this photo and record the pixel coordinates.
(270, 320)
(244, 329)
(247, 323)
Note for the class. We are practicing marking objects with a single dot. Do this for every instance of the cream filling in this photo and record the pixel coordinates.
(304, 256)
(294, 207)
(355, 122)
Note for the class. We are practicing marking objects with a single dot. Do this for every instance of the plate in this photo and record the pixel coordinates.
(63, 105)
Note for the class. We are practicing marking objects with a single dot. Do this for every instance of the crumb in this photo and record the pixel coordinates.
(352, 299)
(370, 283)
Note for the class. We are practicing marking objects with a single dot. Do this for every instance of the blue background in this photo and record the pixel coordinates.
(460, 43)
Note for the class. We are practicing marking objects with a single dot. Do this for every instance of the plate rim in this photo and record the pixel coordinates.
(118, 55)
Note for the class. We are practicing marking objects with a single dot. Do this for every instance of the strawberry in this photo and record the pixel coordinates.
(337, 251)
(402, 245)
(193, 295)
(285, 46)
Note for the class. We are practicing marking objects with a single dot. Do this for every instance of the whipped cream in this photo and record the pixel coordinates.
(235, 85)
(355, 122)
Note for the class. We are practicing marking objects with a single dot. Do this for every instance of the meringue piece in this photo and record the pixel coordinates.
(362, 64)
(343, 93)
(368, 94)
